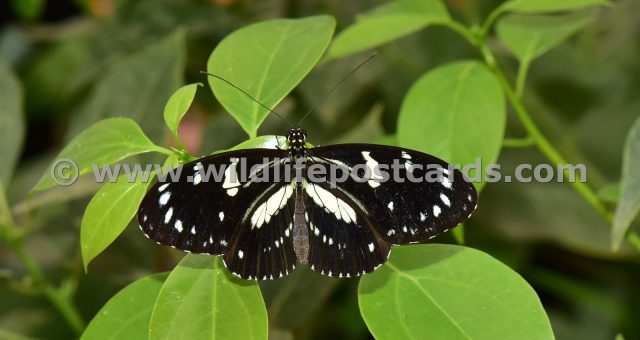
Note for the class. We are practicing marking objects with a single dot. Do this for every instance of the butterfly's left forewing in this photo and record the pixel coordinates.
(402, 208)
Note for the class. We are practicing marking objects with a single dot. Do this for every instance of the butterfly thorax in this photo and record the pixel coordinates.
(297, 138)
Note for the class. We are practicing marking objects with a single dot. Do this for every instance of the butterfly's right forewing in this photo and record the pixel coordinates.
(200, 211)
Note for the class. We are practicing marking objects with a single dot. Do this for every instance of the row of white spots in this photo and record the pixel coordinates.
(323, 198)
(372, 164)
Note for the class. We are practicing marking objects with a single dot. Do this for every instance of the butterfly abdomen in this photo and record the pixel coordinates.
(300, 231)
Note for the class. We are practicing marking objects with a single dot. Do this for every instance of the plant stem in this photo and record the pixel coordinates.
(521, 79)
(542, 143)
(13, 236)
(60, 301)
(553, 155)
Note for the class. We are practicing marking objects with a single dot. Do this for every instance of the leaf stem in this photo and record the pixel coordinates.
(518, 142)
(521, 78)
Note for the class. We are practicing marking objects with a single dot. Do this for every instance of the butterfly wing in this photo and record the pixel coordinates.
(262, 246)
(200, 210)
(408, 211)
(343, 241)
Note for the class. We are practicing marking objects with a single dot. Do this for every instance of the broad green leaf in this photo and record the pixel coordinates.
(177, 107)
(105, 142)
(201, 300)
(111, 209)
(137, 87)
(267, 60)
(11, 122)
(629, 204)
(542, 6)
(441, 291)
(265, 142)
(455, 112)
(127, 314)
(387, 22)
(108, 214)
(529, 36)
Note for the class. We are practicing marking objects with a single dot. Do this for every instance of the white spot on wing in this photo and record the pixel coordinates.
(423, 217)
(221, 216)
(162, 187)
(445, 200)
(178, 226)
(197, 178)
(436, 211)
(390, 205)
(240, 254)
(372, 164)
(167, 216)
(164, 198)
(193, 230)
(371, 247)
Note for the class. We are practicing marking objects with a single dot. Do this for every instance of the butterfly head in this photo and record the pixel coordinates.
(297, 138)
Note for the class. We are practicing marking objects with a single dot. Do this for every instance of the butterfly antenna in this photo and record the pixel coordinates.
(335, 87)
(247, 94)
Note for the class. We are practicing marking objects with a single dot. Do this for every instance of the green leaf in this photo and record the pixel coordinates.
(11, 122)
(610, 193)
(105, 142)
(267, 60)
(529, 36)
(110, 211)
(108, 214)
(449, 292)
(137, 87)
(201, 300)
(461, 112)
(387, 22)
(177, 107)
(28, 9)
(542, 6)
(629, 204)
(127, 314)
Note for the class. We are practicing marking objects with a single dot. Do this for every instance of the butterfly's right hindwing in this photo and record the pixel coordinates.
(199, 215)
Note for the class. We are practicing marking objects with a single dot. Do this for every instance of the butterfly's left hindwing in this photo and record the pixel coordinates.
(343, 241)
(200, 216)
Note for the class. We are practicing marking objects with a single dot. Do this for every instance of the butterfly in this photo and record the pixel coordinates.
(340, 228)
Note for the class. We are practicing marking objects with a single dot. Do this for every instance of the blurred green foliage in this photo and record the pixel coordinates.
(66, 65)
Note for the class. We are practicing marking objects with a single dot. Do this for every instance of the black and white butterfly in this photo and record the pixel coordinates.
(342, 229)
